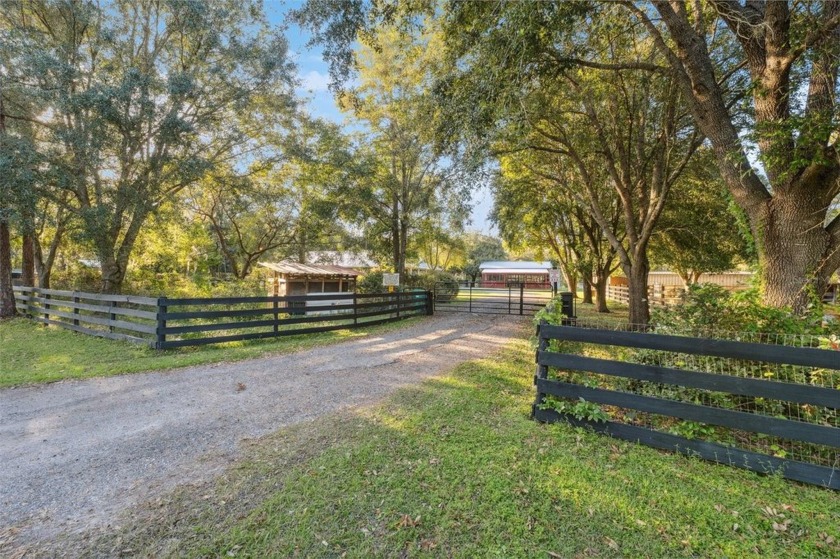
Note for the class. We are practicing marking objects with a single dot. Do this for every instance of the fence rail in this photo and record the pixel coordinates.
(584, 386)
(165, 323)
(117, 317)
(658, 295)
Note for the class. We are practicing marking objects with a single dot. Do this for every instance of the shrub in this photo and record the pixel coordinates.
(708, 307)
(370, 283)
(711, 311)
(443, 284)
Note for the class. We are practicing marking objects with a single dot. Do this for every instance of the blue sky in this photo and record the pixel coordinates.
(313, 73)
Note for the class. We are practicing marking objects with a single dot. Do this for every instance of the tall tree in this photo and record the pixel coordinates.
(482, 248)
(19, 170)
(696, 234)
(7, 295)
(249, 216)
(533, 206)
(791, 51)
(409, 178)
(627, 139)
(140, 99)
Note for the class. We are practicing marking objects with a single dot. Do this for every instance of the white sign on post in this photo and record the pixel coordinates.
(554, 276)
(391, 280)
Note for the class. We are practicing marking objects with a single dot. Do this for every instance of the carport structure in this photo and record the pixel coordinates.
(294, 278)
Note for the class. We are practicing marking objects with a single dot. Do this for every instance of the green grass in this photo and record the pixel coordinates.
(454, 468)
(31, 353)
(619, 313)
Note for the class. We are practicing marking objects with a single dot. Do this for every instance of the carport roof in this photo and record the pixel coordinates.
(287, 267)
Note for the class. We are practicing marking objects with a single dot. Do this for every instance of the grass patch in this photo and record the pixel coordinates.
(454, 468)
(32, 353)
(619, 314)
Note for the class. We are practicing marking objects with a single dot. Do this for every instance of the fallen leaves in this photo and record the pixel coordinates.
(782, 526)
(428, 545)
(406, 521)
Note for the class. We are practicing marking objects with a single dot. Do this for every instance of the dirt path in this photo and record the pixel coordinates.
(75, 454)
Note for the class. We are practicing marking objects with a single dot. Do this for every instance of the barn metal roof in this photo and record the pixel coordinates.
(288, 267)
(529, 271)
(514, 266)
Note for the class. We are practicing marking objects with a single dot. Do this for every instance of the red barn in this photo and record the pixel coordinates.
(534, 275)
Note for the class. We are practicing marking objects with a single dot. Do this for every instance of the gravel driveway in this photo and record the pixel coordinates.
(76, 453)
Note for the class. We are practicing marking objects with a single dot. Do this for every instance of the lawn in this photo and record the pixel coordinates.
(31, 353)
(454, 468)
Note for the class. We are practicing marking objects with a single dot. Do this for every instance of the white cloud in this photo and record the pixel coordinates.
(314, 81)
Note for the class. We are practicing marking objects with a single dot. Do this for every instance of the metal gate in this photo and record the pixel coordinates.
(472, 298)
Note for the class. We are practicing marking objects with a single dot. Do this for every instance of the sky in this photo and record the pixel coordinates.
(313, 73)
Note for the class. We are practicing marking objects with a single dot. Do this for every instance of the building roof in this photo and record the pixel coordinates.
(341, 258)
(288, 267)
(508, 267)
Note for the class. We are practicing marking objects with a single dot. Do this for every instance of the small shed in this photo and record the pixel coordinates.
(293, 278)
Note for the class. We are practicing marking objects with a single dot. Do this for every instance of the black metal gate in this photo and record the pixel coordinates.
(514, 299)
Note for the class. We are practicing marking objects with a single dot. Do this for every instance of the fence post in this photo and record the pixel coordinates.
(510, 296)
(542, 371)
(161, 323)
(471, 296)
(398, 302)
(567, 307)
(46, 305)
(28, 294)
(521, 299)
(111, 315)
(355, 309)
(276, 305)
(76, 301)
(430, 303)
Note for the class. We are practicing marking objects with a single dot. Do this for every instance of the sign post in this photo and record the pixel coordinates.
(391, 281)
(554, 279)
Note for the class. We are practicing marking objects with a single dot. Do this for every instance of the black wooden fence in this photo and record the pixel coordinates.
(165, 323)
(827, 435)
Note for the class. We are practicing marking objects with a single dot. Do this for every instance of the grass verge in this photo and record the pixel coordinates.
(32, 353)
(454, 468)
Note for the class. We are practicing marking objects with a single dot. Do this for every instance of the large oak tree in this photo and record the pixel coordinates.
(139, 100)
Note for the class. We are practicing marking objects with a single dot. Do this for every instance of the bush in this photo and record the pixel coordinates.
(370, 283)
(443, 284)
(708, 307)
(710, 311)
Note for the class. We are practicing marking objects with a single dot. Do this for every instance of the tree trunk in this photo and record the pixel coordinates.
(7, 295)
(587, 290)
(302, 244)
(601, 281)
(571, 280)
(796, 252)
(43, 267)
(795, 245)
(637, 278)
(28, 261)
(112, 275)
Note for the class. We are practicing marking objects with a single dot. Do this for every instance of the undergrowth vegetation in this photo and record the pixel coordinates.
(712, 312)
